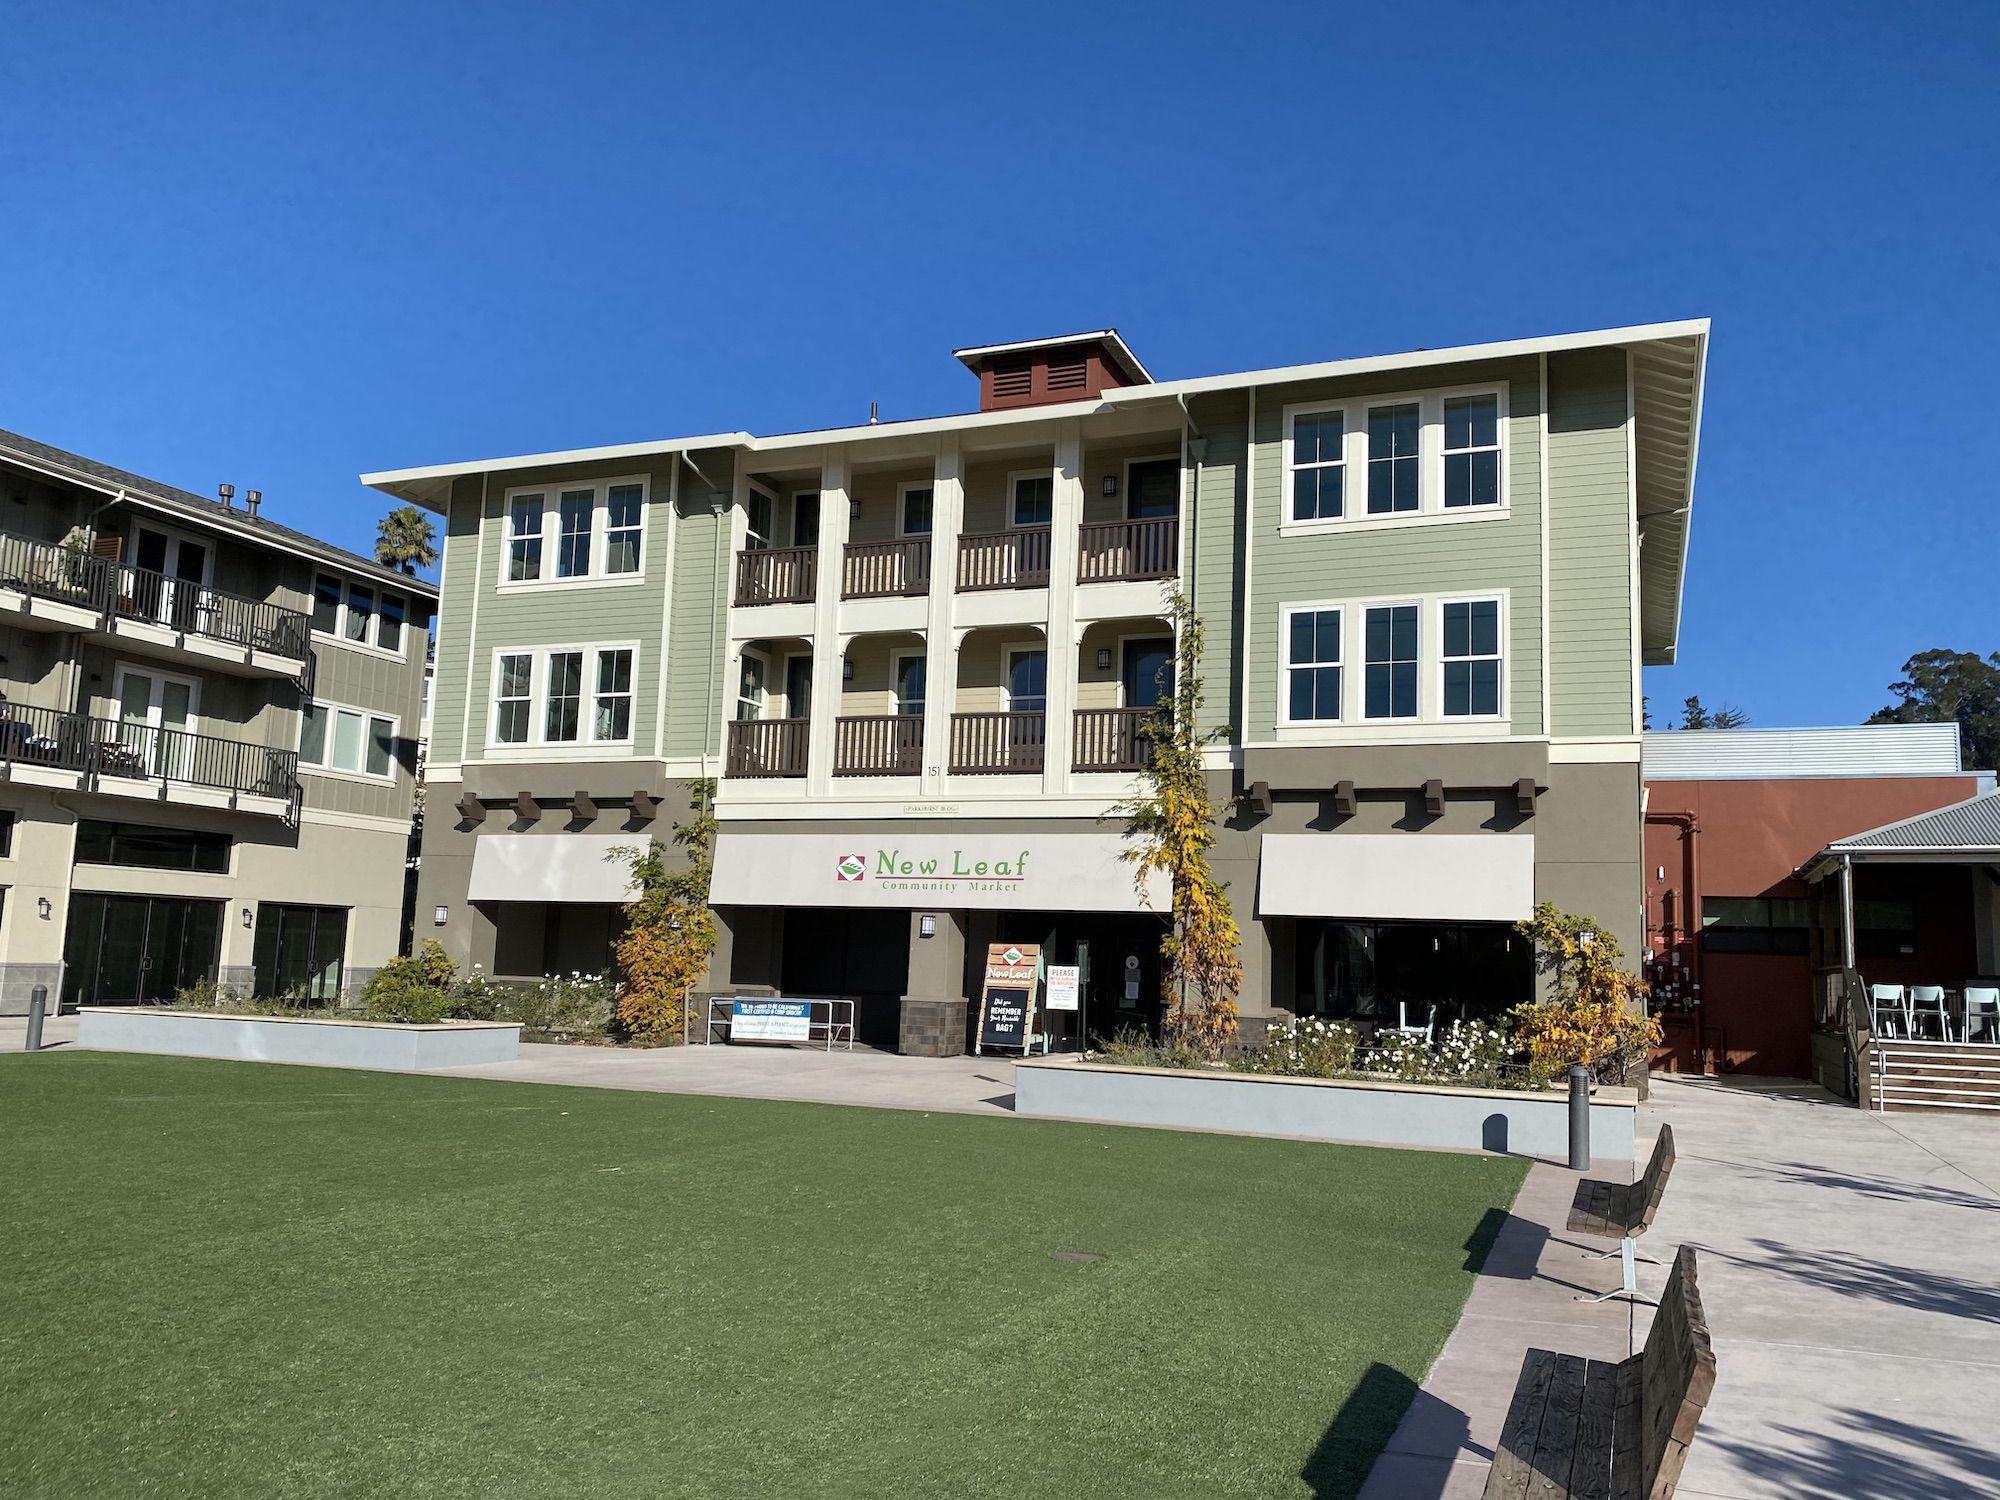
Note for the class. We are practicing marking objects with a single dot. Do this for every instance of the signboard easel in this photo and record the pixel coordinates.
(1007, 999)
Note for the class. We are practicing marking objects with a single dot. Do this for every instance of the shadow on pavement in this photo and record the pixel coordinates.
(1341, 1459)
(1865, 1453)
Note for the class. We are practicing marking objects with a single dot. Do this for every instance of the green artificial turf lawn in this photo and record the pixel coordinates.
(230, 1279)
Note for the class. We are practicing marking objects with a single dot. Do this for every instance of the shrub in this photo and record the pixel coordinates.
(477, 998)
(578, 1006)
(401, 991)
(1133, 1048)
(1307, 1048)
(1590, 1017)
(1401, 1056)
(209, 995)
(439, 971)
(1475, 1053)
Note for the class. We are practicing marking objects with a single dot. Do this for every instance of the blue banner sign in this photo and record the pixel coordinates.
(770, 1021)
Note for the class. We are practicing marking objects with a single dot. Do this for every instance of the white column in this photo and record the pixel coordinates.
(941, 642)
(828, 645)
(1065, 515)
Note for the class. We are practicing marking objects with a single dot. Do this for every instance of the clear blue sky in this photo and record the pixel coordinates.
(277, 247)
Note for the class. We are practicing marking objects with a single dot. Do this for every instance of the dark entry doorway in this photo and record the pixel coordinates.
(1148, 671)
(1119, 954)
(135, 950)
(831, 952)
(1153, 488)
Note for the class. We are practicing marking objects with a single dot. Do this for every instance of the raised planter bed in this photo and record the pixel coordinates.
(1387, 1113)
(329, 1043)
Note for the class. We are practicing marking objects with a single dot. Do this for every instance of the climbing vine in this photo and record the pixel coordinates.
(670, 930)
(1595, 1013)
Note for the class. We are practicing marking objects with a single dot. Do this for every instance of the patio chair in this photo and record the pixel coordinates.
(1891, 1010)
(1424, 1029)
(1982, 1012)
(1927, 1011)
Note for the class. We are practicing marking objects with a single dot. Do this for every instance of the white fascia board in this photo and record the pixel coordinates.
(1413, 360)
(386, 479)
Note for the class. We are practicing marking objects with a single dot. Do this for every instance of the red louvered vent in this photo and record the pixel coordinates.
(1069, 374)
(1014, 378)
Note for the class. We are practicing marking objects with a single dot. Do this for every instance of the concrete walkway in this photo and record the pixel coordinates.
(1850, 1264)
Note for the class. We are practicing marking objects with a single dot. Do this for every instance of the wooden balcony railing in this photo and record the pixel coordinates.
(1110, 551)
(141, 752)
(877, 570)
(878, 745)
(766, 747)
(776, 575)
(998, 744)
(1112, 739)
(1017, 559)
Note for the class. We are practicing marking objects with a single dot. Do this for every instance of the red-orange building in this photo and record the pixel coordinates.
(1731, 817)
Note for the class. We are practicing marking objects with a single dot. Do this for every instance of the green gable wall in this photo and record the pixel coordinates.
(1590, 546)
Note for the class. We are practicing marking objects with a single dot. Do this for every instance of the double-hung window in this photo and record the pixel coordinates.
(575, 512)
(562, 696)
(751, 687)
(326, 605)
(513, 698)
(624, 513)
(1390, 662)
(1319, 465)
(1034, 499)
(611, 716)
(1471, 451)
(332, 738)
(360, 613)
(1312, 666)
(916, 518)
(1470, 653)
(524, 538)
(356, 614)
(1395, 479)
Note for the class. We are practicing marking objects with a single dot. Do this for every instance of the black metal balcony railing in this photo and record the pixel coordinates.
(142, 752)
(50, 570)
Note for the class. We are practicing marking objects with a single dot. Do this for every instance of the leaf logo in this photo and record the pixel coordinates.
(850, 867)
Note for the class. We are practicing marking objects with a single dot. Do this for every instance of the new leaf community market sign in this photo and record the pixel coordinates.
(1026, 872)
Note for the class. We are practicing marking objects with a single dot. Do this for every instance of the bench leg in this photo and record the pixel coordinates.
(1622, 1247)
(1628, 1279)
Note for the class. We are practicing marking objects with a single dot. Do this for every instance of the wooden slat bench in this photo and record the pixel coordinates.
(1591, 1428)
(1624, 1211)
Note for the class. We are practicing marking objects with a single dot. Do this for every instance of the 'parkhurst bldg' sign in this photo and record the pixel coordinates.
(1052, 871)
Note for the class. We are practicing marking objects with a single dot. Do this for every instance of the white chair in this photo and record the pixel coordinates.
(1891, 1010)
(1403, 1021)
(1982, 1012)
(1927, 1012)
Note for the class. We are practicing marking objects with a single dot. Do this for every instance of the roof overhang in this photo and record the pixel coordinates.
(1959, 833)
(429, 486)
(1109, 337)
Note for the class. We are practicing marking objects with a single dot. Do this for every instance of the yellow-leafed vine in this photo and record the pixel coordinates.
(1596, 1010)
(670, 930)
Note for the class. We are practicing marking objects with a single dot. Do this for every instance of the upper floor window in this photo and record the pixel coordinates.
(1390, 657)
(805, 519)
(563, 695)
(333, 738)
(357, 614)
(1034, 499)
(1433, 454)
(1471, 658)
(592, 530)
(916, 517)
(751, 687)
(1312, 665)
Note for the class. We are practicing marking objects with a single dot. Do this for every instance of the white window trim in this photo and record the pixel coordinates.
(763, 703)
(157, 674)
(1008, 651)
(340, 773)
(1125, 478)
(338, 635)
(551, 535)
(896, 660)
(1126, 638)
(1429, 724)
(1285, 662)
(1014, 521)
(1430, 509)
(757, 487)
(538, 697)
(1499, 601)
(902, 510)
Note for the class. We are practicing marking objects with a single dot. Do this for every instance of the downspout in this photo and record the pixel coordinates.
(1690, 915)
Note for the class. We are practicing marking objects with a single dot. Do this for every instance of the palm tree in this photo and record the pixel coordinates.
(406, 540)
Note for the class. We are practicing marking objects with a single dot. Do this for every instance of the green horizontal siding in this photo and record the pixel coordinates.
(1590, 562)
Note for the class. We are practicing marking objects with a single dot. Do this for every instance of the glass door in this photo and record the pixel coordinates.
(155, 720)
(138, 950)
(170, 572)
(1149, 672)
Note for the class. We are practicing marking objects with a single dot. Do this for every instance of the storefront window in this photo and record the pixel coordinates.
(1407, 973)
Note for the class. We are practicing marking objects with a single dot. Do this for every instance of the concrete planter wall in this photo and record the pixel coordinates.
(1385, 1113)
(327, 1043)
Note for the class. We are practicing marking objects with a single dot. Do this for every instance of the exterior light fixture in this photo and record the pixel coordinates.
(439, 914)
(1110, 485)
(927, 925)
(43, 907)
(1104, 658)
(846, 670)
(853, 510)
(248, 920)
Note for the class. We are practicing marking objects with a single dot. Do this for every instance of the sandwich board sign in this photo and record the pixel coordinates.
(1007, 997)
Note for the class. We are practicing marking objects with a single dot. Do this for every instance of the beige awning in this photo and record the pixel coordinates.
(1431, 877)
(583, 867)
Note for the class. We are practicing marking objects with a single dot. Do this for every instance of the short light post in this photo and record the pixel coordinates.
(1579, 1117)
(38, 1004)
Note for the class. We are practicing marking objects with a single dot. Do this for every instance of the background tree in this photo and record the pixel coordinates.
(1694, 716)
(1173, 822)
(406, 540)
(670, 929)
(1951, 687)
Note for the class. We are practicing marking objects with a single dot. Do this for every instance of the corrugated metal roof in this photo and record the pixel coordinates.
(1758, 754)
(1972, 825)
(211, 512)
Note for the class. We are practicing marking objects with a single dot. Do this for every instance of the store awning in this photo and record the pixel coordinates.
(1013, 871)
(1425, 877)
(579, 867)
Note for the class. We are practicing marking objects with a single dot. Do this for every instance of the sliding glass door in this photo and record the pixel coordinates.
(298, 952)
(138, 950)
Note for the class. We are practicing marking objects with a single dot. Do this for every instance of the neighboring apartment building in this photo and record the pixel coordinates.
(1733, 818)
(207, 741)
(916, 656)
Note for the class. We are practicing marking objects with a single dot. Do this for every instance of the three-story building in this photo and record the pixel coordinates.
(208, 727)
(917, 658)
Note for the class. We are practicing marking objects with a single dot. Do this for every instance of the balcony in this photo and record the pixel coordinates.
(94, 749)
(1017, 559)
(766, 747)
(1012, 743)
(882, 570)
(46, 586)
(188, 608)
(1128, 551)
(1112, 739)
(776, 575)
(878, 745)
